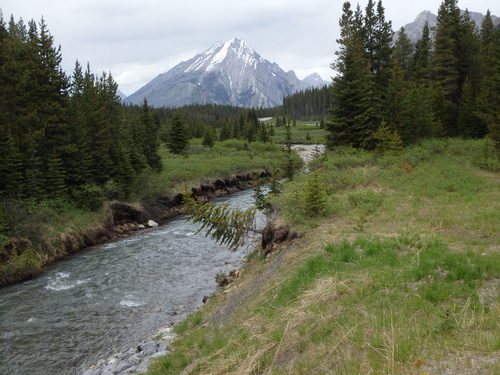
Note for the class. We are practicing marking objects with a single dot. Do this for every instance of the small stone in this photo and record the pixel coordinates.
(141, 226)
(164, 330)
(205, 299)
(152, 224)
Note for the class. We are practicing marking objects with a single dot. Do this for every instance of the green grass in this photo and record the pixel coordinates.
(371, 303)
(300, 132)
(399, 276)
(201, 164)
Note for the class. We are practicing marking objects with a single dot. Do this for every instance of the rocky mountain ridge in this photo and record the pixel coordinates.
(414, 29)
(230, 73)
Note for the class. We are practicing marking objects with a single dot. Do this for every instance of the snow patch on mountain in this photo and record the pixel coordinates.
(230, 73)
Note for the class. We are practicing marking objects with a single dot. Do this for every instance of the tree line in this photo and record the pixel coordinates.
(69, 136)
(62, 135)
(309, 104)
(442, 86)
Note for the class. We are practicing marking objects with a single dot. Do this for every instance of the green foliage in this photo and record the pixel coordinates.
(366, 200)
(89, 196)
(207, 139)
(314, 196)
(177, 141)
(289, 168)
(310, 104)
(387, 140)
(449, 90)
(226, 225)
(354, 103)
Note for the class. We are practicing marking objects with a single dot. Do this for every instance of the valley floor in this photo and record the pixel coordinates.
(398, 274)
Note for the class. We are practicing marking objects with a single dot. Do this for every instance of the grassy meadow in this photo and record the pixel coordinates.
(397, 274)
(300, 133)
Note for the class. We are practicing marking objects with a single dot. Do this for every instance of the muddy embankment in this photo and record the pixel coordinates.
(121, 220)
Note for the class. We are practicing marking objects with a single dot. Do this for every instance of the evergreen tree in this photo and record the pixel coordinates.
(151, 126)
(289, 168)
(177, 138)
(469, 124)
(207, 138)
(314, 195)
(489, 99)
(11, 176)
(354, 115)
(446, 63)
(54, 177)
(422, 57)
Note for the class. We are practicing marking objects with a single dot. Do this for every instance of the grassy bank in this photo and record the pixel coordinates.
(306, 132)
(42, 229)
(397, 274)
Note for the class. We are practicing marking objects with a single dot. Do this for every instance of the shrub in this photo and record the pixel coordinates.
(88, 196)
(366, 200)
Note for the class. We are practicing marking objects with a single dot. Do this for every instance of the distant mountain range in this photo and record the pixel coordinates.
(230, 73)
(414, 29)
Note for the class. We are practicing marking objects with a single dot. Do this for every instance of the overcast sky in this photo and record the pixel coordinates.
(137, 40)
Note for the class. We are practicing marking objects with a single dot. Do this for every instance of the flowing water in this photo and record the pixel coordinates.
(108, 298)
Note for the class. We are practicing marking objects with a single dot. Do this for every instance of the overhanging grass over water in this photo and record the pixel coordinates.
(223, 160)
(399, 275)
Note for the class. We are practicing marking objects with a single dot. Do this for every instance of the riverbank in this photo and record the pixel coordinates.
(119, 220)
(397, 274)
(36, 233)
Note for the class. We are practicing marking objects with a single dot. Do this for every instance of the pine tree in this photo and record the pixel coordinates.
(388, 141)
(402, 54)
(151, 128)
(207, 138)
(177, 137)
(354, 113)
(11, 169)
(446, 63)
(489, 98)
(314, 195)
(422, 58)
(54, 177)
(289, 167)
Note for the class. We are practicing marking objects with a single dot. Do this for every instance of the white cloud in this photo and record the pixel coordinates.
(138, 40)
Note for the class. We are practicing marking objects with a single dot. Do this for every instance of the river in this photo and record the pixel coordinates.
(109, 297)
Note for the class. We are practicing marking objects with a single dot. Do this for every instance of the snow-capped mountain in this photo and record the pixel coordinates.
(414, 29)
(228, 73)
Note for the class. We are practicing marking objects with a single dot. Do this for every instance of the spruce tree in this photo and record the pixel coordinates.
(446, 73)
(289, 168)
(151, 127)
(421, 66)
(177, 138)
(207, 140)
(354, 113)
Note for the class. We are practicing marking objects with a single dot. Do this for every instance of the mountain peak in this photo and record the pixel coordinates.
(230, 73)
(414, 29)
(214, 57)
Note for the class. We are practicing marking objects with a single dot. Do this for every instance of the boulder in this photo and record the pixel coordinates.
(275, 233)
(152, 224)
(127, 213)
